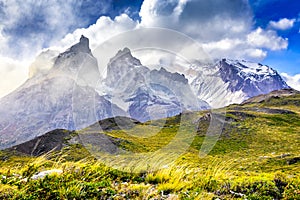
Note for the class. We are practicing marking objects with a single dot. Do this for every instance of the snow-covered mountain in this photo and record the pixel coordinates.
(68, 92)
(250, 78)
(232, 81)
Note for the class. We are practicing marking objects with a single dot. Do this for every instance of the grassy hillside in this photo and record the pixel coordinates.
(257, 156)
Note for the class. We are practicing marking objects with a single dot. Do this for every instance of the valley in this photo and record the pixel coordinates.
(256, 156)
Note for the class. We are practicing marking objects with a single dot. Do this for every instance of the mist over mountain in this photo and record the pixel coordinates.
(57, 99)
(68, 92)
(148, 94)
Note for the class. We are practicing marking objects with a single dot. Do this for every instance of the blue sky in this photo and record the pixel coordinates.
(273, 10)
(265, 31)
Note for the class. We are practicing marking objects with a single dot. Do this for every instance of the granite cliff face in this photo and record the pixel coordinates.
(233, 81)
(69, 92)
(250, 78)
(148, 94)
(62, 98)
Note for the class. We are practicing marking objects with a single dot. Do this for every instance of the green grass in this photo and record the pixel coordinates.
(256, 157)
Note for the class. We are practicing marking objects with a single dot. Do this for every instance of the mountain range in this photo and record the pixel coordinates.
(66, 91)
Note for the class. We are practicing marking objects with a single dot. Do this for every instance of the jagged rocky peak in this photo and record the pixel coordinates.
(125, 51)
(249, 68)
(120, 65)
(249, 77)
(124, 56)
(47, 59)
(83, 46)
(78, 63)
(171, 76)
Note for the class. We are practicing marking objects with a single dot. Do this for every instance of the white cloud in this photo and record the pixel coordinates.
(201, 19)
(266, 39)
(31, 25)
(219, 25)
(234, 48)
(282, 24)
(14, 71)
(22, 30)
(256, 54)
(103, 29)
(13, 74)
(225, 28)
(293, 81)
(28, 26)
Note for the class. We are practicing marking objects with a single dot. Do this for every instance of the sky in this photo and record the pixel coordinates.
(265, 31)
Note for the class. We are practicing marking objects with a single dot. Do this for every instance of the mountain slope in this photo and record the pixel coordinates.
(255, 157)
(233, 81)
(134, 135)
(251, 78)
(148, 94)
(274, 94)
(63, 98)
